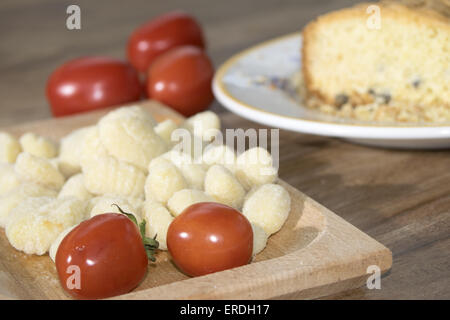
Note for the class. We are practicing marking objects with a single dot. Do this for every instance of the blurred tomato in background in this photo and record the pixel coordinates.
(91, 83)
(160, 35)
(181, 78)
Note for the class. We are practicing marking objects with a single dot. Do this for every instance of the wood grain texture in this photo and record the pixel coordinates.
(316, 253)
(400, 198)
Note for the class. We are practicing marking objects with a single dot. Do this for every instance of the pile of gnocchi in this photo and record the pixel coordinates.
(128, 159)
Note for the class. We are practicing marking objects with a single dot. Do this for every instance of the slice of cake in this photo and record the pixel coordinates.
(380, 61)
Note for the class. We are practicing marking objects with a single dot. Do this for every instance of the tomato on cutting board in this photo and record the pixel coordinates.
(160, 35)
(208, 237)
(90, 83)
(103, 257)
(181, 78)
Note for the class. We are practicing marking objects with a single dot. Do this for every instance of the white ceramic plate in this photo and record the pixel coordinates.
(240, 85)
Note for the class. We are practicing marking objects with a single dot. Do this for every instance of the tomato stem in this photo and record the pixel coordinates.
(150, 244)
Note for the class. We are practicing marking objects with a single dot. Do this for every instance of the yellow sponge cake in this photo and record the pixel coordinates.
(381, 61)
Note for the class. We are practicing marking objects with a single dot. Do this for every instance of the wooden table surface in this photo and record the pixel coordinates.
(400, 198)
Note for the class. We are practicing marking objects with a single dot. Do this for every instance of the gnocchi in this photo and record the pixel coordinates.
(36, 222)
(220, 154)
(13, 198)
(194, 173)
(254, 167)
(164, 179)
(158, 220)
(259, 239)
(38, 145)
(224, 187)
(66, 212)
(8, 178)
(129, 160)
(9, 148)
(38, 170)
(164, 129)
(74, 188)
(107, 175)
(186, 142)
(268, 207)
(55, 244)
(184, 198)
(106, 204)
(91, 147)
(127, 134)
(204, 125)
(69, 162)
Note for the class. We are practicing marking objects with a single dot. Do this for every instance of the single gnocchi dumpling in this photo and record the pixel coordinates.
(204, 125)
(55, 244)
(109, 203)
(19, 194)
(164, 129)
(38, 146)
(74, 188)
(163, 180)
(8, 178)
(38, 170)
(107, 175)
(194, 173)
(268, 207)
(185, 198)
(127, 134)
(224, 187)
(254, 167)
(9, 148)
(36, 222)
(69, 159)
(157, 220)
(259, 239)
(220, 154)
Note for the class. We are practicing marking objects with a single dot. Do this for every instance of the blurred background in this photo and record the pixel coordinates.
(35, 40)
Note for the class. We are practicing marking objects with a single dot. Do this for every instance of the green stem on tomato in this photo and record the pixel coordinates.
(150, 244)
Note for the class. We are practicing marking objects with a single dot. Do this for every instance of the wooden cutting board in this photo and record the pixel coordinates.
(316, 253)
